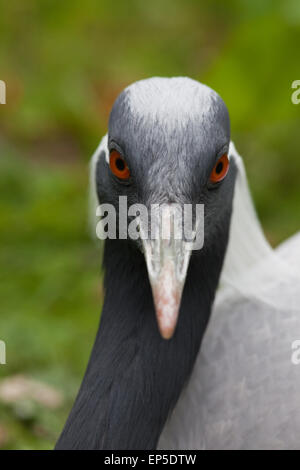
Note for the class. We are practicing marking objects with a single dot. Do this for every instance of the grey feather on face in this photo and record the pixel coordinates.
(171, 131)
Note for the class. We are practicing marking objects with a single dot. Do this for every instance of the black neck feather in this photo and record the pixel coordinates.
(134, 377)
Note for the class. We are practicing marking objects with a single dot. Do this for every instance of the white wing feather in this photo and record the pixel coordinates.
(93, 198)
(244, 392)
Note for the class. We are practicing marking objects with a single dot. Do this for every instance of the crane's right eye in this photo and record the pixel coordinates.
(118, 165)
(220, 169)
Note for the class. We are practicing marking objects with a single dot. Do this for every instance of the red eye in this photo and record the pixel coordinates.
(118, 165)
(220, 169)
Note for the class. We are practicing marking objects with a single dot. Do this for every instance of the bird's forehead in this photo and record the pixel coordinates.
(169, 112)
(169, 100)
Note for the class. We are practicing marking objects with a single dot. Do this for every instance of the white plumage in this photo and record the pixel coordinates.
(244, 392)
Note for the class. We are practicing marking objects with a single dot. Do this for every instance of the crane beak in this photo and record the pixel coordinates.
(167, 262)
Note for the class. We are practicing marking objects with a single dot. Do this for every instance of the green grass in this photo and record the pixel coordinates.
(50, 286)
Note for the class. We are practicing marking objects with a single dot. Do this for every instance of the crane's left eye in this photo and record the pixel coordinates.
(118, 165)
(220, 169)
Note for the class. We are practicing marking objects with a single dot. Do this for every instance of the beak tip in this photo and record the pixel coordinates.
(167, 333)
(167, 303)
(166, 325)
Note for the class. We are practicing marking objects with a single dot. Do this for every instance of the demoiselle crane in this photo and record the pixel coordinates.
(148, 383)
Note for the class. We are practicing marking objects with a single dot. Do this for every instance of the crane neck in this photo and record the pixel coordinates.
(134, 377)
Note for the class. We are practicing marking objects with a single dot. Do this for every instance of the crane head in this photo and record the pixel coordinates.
(167, 154)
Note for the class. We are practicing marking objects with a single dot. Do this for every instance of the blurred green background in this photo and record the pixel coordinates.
(64, 64)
